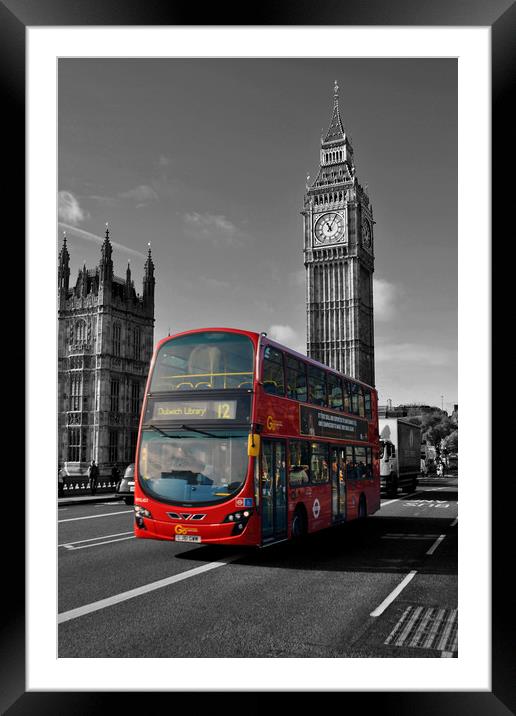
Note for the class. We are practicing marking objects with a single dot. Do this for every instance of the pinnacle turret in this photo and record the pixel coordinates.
(149, 282)
(63, 271)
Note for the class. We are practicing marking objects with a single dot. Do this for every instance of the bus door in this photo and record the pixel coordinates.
(338, 485)
(273, 478)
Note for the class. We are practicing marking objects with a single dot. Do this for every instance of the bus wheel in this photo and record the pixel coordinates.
(298, 524)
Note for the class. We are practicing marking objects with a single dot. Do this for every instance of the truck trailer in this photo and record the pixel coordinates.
(400, 455)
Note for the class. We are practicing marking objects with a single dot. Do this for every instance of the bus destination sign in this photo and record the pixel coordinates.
(321, 423)
(182, 410)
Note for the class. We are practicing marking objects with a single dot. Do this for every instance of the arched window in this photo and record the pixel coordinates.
(137, 345)
(117, 333)
(80, 331)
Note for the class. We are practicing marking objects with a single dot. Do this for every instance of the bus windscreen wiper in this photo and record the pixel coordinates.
(196, 430)
(159, 430)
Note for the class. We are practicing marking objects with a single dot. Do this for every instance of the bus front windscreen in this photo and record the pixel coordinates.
(184, 469)
(207, 360)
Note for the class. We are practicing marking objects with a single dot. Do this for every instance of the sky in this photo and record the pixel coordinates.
(207, 160)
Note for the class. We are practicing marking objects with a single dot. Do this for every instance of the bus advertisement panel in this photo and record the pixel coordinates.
(244, 441)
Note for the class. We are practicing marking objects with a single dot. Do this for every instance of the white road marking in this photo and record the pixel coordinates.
(389, 502)
(392, 596)
(99, 544)
(436, 544)
(124, 596)
(91, 517)
(407, 536)
(92, 539)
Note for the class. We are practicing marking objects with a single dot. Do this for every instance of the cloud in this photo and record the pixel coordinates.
(106, 200)
(213, 228)
(88, 236)
(215, 283)
(69, 209)
(386, 299)
(163, 161)
(414, 353)
(286, 335)
(142, 195)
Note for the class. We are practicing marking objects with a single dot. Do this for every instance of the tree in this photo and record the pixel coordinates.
(451, 442)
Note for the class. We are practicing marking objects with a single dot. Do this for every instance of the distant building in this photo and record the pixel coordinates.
(105, 341)
(387, 411)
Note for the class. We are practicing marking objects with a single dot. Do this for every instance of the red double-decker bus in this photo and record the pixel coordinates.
(244, 441)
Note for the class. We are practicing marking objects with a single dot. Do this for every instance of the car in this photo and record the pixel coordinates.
(126, 486)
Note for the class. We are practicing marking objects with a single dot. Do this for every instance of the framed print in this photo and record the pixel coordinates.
(204, 220)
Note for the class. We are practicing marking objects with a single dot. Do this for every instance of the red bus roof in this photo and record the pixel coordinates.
(256, 338)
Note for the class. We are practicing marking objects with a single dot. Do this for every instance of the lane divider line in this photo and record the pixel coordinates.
(92, 517)
(392, 596)
(98, 544)
(397, 499)
(436, 544)
(144, 589)
(92, 539)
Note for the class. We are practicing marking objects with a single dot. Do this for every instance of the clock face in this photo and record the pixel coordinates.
(366, 235)
(329, 228)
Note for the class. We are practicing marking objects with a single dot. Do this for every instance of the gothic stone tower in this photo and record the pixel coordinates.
(105, 342)
(339, 259)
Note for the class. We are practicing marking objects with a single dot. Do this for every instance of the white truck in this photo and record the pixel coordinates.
(400, 455)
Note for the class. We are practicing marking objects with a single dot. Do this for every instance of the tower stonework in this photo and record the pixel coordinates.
(339, 259)
(105, 342)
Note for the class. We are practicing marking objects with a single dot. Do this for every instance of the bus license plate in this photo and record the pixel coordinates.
(188, 538)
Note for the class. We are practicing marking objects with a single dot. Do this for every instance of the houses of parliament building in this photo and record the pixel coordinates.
(105, 342)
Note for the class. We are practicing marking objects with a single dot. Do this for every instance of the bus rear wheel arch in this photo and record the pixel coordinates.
(299, 525)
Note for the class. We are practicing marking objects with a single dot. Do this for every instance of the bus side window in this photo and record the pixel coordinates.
(316, 385)
(334, 392)
(361, 406)
(360, 460)
(273, 379)
(319, 463)
(354, 398)
(346, 395)
(367, 403)
(296, 379)
(299, 463)
(369, 463)
(351, 472)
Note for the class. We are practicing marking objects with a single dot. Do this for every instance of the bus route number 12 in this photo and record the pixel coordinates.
(223, 411)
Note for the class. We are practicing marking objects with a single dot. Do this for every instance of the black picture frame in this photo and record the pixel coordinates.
(500, 16)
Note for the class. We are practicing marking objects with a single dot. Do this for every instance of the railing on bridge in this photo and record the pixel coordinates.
(81, 486)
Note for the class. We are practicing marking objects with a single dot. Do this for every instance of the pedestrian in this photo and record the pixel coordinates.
(115, 477)
(60, 482)
(93, 474)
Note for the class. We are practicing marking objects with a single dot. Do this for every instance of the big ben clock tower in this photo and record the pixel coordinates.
(339, 259)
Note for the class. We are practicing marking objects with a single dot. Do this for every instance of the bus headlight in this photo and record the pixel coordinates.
(139, 514)
(239, 519)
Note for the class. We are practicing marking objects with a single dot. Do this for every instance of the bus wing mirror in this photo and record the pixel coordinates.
(253, 445)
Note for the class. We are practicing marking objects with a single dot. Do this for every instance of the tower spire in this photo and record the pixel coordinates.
(149, 282)
(106, 263)
(63, 271)
(336, 131)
